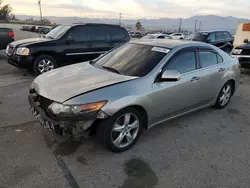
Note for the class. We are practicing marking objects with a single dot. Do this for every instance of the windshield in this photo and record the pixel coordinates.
(200, 37)
(148, 36)
(58, 32)
(132, 59)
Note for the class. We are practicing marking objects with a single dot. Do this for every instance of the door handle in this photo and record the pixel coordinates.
(221, 69)
(195, 79)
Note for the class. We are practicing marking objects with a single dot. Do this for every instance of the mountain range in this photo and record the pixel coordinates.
(204, 22)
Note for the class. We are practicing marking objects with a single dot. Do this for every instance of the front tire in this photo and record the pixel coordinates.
(224, 96)
(44, 63)
(120, 132)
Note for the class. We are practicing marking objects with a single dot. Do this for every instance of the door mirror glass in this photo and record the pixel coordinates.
(246, 41)
(170, 75)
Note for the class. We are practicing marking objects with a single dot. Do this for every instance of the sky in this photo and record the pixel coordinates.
(135, 9)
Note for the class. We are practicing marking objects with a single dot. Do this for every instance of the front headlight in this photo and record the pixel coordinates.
(22, 51)
(237, 51)
(75, 110)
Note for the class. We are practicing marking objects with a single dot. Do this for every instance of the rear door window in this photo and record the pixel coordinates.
(226, 35)
(219, 36)
(207, 58)
(116, 33)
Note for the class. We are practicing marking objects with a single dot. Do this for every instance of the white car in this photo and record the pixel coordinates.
(177, 36)
(157, 36)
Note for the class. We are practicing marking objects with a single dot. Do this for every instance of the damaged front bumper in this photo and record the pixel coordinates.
(70, 128)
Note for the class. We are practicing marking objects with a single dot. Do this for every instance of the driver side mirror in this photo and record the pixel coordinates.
(170, 75)
(246, 41)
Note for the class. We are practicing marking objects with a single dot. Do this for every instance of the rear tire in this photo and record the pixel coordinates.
(224, 96)
(44, 63)
(111, 129)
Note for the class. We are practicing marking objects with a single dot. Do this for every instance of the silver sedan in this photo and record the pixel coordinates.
(133, 87)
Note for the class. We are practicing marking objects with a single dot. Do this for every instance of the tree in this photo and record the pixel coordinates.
(5, 11)
(138, 25)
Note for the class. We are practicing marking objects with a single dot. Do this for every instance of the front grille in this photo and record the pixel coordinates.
(245, 52)
(9, 50)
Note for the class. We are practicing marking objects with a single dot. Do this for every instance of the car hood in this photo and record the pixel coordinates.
(29, 41)
(67, 82)
(244, 46)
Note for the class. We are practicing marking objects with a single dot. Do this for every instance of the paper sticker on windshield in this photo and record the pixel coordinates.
(162, 50)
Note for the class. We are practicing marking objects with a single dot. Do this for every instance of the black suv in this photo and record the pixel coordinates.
(66, 44)
(222, 39)
(242, 52)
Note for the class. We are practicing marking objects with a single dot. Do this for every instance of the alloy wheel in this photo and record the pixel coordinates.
(226, 94)
(45, 65)
(125, 130)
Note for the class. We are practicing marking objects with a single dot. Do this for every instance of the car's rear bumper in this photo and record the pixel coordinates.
(25, 62)
(244, 60)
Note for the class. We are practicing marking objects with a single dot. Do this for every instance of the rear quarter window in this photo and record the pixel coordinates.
(117, 33)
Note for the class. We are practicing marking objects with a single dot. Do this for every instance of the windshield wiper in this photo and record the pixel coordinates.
(111, 69)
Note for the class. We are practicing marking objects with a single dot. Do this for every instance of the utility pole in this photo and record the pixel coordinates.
(200, 26)
(120, 19)
(195, 26)
(40, 8)
(180, 25)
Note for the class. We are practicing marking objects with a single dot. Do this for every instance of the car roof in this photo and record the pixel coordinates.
(96, 24)
(166, 43)
(211, 31)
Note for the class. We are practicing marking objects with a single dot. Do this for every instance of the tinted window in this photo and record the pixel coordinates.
(131, 60)
(200, 36)
(226, 35)
(207, 59)
(99, 33)
(177, 34)
(83, 34)
(161, 37)
(211, 37)
(185, 62)
(219, 59)
(219, 36)
(116, 33)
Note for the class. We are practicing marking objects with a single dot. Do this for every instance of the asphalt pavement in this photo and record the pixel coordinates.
(205, 149)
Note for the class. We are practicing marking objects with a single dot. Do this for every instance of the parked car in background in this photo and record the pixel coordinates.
(45, 30)
(242, 53)
(222, 39)
(64, 45)
(177, 36)
(157, 36)
(6, 37)
(122, 93)
(137, 35)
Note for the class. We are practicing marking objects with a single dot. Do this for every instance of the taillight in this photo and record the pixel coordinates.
(11, 34)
